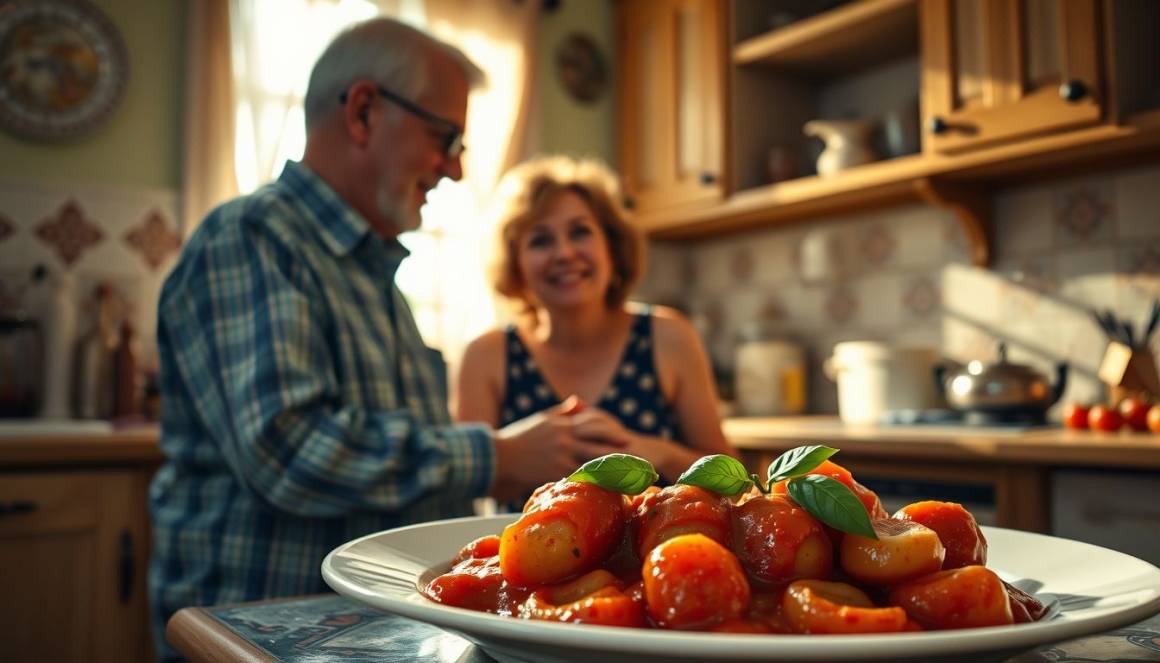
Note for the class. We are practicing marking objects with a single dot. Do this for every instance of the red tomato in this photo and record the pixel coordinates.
(1154, 419)
(1135, 413)
(1104, 418)
(1075, 416)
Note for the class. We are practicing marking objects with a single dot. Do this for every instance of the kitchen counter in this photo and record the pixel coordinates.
(124, 446)
(1016, 464)
(1033, 446)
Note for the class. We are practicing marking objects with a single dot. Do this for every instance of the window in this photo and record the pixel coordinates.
(274, 45)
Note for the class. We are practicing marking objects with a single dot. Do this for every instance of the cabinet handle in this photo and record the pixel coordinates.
(708, 178)
(937, 125)
(17, 507)
(629, 203)
(126, 565)
(1073, 90)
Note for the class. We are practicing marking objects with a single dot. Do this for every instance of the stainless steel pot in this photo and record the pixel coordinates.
(1003, 390)
(21, 366)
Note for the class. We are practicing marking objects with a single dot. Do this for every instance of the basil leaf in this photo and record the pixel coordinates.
(831, 502)
(798, 461)
(719, 473)
(618, 472)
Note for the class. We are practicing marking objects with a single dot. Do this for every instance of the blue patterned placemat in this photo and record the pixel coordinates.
(331, 628)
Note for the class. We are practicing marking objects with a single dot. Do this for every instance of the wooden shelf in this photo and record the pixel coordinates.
(853, 37)
(959, 183)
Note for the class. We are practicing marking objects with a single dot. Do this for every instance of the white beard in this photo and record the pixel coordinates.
(399, 213)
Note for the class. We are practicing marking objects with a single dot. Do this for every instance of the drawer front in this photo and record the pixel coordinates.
(1110, 509)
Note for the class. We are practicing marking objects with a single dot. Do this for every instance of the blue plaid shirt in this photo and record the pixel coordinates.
(300, 408)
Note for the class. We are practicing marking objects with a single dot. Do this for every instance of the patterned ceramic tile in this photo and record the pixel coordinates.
(7, 228)
(877, 245)
(69, 233)
(154, 240)
(1140, 259)
(1083, 213)
(774, 251)
(689, 271)
(1088, 276)
(821, 256)
(1025, 286)
(841, 305)
(954, 240)
(773, 310)
(741, 266)
(1138, 215)
(1022, 222)
(921, 296)
(919, 236)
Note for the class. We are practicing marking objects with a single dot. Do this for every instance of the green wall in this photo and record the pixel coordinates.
(140, 146)
(567, 125)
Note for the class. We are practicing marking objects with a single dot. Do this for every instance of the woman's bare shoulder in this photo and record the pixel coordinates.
(671, 328)
(487, 349)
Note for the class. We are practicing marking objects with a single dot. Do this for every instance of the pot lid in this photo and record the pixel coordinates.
(1003, 368)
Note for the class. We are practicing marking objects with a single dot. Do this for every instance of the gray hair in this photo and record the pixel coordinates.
(383, 50)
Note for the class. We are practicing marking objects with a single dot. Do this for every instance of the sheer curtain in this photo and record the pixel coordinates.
(269, 47)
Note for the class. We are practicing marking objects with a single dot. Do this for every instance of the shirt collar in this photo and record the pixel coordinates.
(341, 227)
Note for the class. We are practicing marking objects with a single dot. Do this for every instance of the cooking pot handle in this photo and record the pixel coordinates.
(1060, 381)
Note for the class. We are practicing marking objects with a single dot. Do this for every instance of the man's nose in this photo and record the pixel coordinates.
(452, 167)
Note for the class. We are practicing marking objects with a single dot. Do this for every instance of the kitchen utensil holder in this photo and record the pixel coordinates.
(1129, 371)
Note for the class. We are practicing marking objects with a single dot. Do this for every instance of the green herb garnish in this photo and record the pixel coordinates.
(719, 473)
(622, 473)
(798, 461)
(831, 502)
(826, 499)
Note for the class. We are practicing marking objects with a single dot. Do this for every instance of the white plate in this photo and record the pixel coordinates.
(1094, 590)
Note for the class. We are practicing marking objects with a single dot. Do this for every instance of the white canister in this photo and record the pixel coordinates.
(770, 379)
(874, 378)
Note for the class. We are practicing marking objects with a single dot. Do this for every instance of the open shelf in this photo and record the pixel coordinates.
(855, 36)
(960, 184)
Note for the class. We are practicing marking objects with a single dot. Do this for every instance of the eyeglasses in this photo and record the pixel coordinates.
(452, 135)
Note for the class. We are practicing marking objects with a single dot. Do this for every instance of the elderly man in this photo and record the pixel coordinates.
(300, 406)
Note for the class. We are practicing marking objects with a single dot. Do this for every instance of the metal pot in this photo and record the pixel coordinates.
(1002, 391)
(21, 366)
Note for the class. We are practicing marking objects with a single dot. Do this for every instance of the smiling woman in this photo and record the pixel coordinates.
(567, 257)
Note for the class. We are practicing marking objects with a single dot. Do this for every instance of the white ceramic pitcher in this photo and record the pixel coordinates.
(847, 143)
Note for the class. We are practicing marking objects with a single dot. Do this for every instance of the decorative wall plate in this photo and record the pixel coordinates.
(63, 68)
(581, 68)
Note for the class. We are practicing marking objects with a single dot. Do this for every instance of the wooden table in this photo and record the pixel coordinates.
(321, 629)
(1015, 463)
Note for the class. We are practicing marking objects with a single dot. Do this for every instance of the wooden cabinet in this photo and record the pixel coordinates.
(671, 113)
(1002, 70)
(1012, 88)
(73, 552)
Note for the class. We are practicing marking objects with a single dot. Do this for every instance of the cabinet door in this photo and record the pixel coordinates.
(671, 120)
(71, 565)
(1000, 70)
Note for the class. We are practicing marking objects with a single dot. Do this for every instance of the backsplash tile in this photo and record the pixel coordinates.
(903, 275)
(154, 240)
(1023, 223)
(69, 232)
(7, 228)
(125, 237)
(1083, 213)
(1136, 202)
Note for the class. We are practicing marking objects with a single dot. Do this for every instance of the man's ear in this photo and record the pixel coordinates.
(356, 112)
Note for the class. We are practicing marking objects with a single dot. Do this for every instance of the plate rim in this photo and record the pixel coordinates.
(479, 627)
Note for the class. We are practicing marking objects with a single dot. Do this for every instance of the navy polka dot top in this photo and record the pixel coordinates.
(634, 395)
